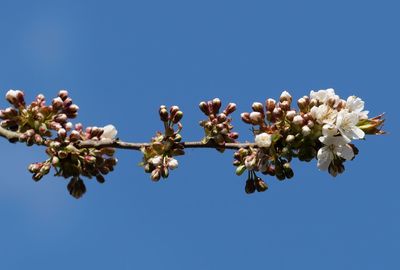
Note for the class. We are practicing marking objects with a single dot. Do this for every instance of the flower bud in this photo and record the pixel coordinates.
(305, 131)
(250, 187)
(163, 114)
(100, 179)
(256, 118)
(270, 104)
(63, 94)
(258, 107)
(15, 97)
(57, 103)
(277, 113)
(204, 108)
(260, 185)
(216, 104)
(290, 115)
(302, 104)
(284, 105)
(155, 175)
(221, 117)
(230, 108)
(76, 188)
(298, 120)
(173, 110)
(173, 163)
(290, 138)
(177, 117)
(74, 136)
(288, 170)
(245, 117)
(90, 159)
(62, 133)
(164, 172)
(37, 177)
(313, 102)
(285, 96)
(73, 109)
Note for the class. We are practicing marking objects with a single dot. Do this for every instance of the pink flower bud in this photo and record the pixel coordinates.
(230, 108)
(290, 115)
(57, 103)
(298, 120)
(204, 108)
(245, 117)
(270, 104)
(63, 94)
(256, 118)
(285, 96)
(216, 103)
(257, 107)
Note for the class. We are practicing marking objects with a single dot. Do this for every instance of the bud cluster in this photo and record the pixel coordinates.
(73, 163)
(36, 120)
(158, 156)
(217, 127)
(322, 128)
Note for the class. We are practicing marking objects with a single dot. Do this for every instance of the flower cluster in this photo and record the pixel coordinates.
(322, 128)
(158, 156)
(36, 121)
(217, 127)
(34, 124)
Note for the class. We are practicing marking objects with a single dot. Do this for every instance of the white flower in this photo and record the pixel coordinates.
(356, 104)
(109, 132)
(298, 120)
(324, 114)
(334, 146)
(155, 160)
(173, 163)
(324, 95)
(346, 123)
(263, 140)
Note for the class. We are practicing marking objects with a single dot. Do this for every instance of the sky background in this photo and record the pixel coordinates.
(120, 60)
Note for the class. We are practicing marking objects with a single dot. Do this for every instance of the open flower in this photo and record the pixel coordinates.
(109, 132)
(346, 123)
(324, 95)
(335, 146)
(356, 104)
(324, 114)
(263, 140)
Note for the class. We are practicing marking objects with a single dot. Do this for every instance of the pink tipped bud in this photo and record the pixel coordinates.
(15, 97)
(63, 94)
(270, 104)
(257, 107)
(256, 118)
(57, 103)
(73, 108)
(79, 127)
(75, 135)
(285, 96)
(284, 105)
(163, 114)
(277, 113)
(245, 117)
(68, 126)
(298, 120)
(221, 117)
(230, 108)
(302, 103)
(290, 115)
(204, 108)
(173, 110)
(62, 133)
(216, 104)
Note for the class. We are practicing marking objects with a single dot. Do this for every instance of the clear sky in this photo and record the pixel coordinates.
(120, 60)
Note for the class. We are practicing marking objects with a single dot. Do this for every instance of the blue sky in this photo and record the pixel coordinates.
(121, 59)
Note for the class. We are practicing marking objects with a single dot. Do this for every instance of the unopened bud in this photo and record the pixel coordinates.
(90, 159)
(261, 186)
(290, 138)
(313, 102)
(177, 117)
(256, 118)
(285, 96)
(204, 108)
(62, 133)
(155, 175)
(284, 105)
(173, 110)
(277, 113)
(245, 117)
(302, 104)
(250, 187)
(270, 104)
(57, 103)
(305, 131)
(221, 117)
(298, 120)
(290, 115)
(63, 94)
(288, 170)
(163, 114)
(230, 108)
(258, 107)
(75, 135)
(216, 103)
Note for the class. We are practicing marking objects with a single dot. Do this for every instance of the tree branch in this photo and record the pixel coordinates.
(14, 136)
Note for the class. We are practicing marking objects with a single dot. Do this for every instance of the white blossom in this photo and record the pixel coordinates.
(335, 145)
(346, 123)
(173, 163)
(324, 114)
(109, 132)
(155, 160)
(324, 95)
(263, 140)
(356, 104)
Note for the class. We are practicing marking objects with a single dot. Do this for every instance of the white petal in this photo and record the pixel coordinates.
(110, 132)
(358, 133)
(325, 157)
(345, 151)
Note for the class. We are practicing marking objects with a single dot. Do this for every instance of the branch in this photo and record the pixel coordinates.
(112, 143)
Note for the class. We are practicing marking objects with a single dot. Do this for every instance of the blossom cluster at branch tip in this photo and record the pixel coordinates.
(158, 157)
(322, 128)
(37, 120)
(50, 125)
(217, 127)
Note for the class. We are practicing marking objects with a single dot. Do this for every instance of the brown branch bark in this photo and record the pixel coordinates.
(14, 136)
